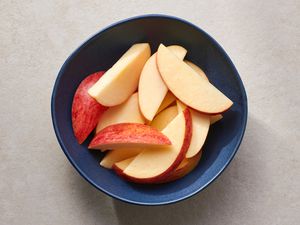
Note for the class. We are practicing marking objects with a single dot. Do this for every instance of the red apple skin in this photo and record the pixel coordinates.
(86, 111)
(160, 178)
(181, 172)
(129, 133)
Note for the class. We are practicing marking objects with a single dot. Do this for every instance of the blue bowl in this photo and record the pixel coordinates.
(99, 53)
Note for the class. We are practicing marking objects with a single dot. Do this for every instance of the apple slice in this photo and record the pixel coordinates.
(152, 89)
(184, 168)
(200, 126)
(129, 135)
(168, 100)
(127, 112)
(188, 86)
(178, 50)
(164, 117)
(118, 155)
(215, 118)
(197, 69)
(86, 111)
(154, 165)
(121, 80)
(120, 166)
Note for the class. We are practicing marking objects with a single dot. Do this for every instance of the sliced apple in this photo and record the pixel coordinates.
(164, 117)
(200, 126)
(168, 100)
(215, 118)
(129, 135)
(152, 89)
(118, 155)
(86, 111)
(154, 165)
(121, 80)
(178, 50)
(127, 112)
(197, 69)
(120, 166)
(188, 86)
(184, 168)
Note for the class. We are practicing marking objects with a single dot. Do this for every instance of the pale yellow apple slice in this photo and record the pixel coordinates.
(121, 165)
(153, 165)
(164, 117)
(121, 80)
(215, 118)
(197, 69)
(118, 155)
(152, 89)
(200, 126)
(184, 168)
(127, 112)
(188, 86)
(168, 100)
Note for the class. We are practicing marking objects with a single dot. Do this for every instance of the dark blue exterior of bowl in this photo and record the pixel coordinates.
(99, 53)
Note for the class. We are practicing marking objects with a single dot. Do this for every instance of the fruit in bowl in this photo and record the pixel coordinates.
(146, 138)
(100, 53)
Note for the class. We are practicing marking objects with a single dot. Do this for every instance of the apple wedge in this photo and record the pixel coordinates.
(118, 155)
(184, 168)
(197, 69)
(154, 165)
(164, 117)
(200, 127)
(129, 135)
(215, 118)
(168, 100)
(86, 111)
(188, 86)
(127, 112)
(121, 80)
(152, 89)
(120, 166)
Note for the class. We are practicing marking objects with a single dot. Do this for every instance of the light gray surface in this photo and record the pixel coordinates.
(39, 186)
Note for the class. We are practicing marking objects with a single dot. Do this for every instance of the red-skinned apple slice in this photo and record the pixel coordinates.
(200, 126)
(86, 111)
(117, 155)
(188, 86)
(129, 135)
(154, 165)
(152, 89)
(184, 168)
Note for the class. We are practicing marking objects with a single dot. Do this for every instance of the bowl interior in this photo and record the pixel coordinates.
(99, 53)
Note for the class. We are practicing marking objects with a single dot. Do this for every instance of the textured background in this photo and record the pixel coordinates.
(38, 184)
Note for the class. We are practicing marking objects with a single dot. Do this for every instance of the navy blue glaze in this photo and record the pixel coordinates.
(99, 53)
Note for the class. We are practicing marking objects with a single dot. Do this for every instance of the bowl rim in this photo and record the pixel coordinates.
(90, 38)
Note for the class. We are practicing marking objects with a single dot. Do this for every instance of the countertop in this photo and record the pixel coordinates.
(39, 186)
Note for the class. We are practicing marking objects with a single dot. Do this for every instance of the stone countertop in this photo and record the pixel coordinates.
(39, 186)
